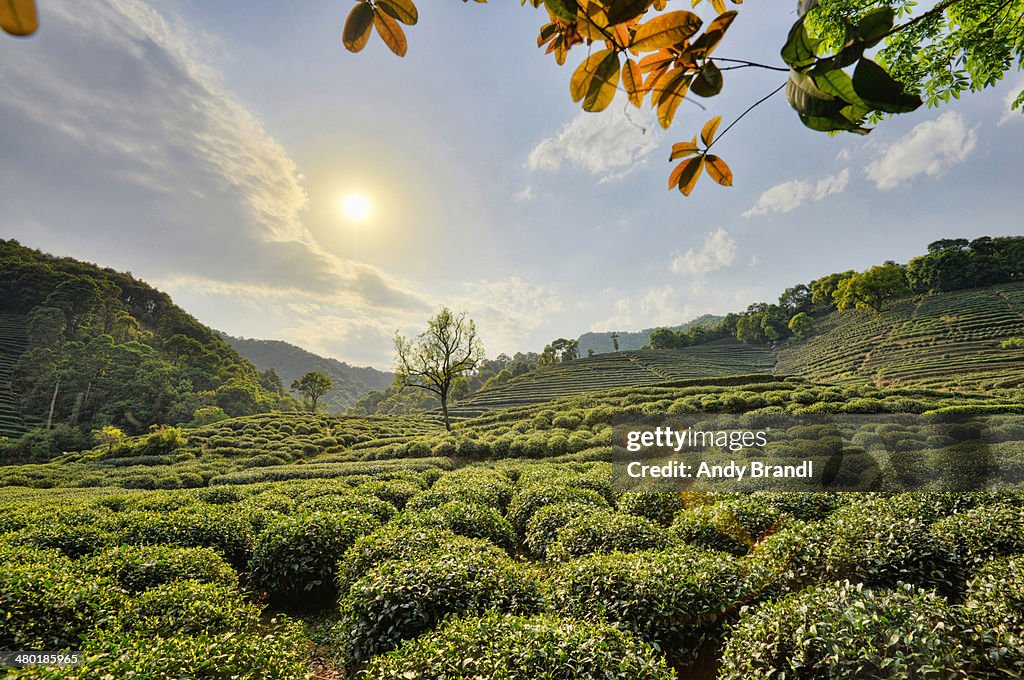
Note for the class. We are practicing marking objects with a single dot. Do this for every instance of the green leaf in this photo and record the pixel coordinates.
(875, 24)
(800, 49)
(881, 91)
(621, 11)
(708, 82)
(565, 10)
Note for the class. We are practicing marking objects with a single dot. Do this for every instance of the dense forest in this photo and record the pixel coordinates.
(104, 348)
(949, 265)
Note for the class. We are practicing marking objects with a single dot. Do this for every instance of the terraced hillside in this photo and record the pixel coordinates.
(948, 340)
(620, 369)
(12, 344)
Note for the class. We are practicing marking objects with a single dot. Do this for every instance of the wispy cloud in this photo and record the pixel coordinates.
(930, 148)
(718, 251)
(788, 196)
(610, 144)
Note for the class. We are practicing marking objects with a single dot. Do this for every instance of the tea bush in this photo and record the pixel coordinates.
(137, 568)
(995, 604)
(543, 527)
(529, 500)
(502, 647)
(350, 502)
(396, 600)
(191, 608)
(980, 534)
(219, 527)
(295, 559)
(467, 519)
(605, 532)
(657, 506)
(848, 631)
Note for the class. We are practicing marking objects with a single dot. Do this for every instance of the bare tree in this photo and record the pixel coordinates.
(448, 349)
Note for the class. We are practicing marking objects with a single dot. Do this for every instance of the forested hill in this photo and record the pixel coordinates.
(602, 342)
(291, 362)
(102, 347)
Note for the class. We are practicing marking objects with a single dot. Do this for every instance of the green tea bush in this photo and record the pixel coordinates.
(397, 492)
(50, 606)
(983, 533)
(295, 560)
(845, 630)
(881, 549)
(995, 597)
(467, 519)
(713, 527)
(543, 527)
(222, 528)
(502, 647)
(275, 654)
(350, 502)
(476, 485)
(790, 559)
(393, 542)
(532, 498)
(675, 599)
(396, 600)
(657, 506)
(190, 607)
(138, 568)
(605, 532)
(73, 540)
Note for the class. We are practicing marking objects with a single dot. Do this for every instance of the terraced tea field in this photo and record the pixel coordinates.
(12, 344)
(950, 340)
(620, 369)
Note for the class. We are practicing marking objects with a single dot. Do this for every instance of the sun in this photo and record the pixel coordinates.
(356, 206)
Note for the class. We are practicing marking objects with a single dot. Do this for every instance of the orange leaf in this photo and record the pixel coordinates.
(669, 94)
(357, 27)
(633, 81)
(690, 173)
(665, 30)
(707, 135)
(683, 149)
(719, 171)
(390, 32)
(18, 17)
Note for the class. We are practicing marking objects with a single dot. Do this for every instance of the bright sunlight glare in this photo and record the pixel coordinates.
(356, 207)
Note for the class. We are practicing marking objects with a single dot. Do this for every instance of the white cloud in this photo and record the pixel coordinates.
(610, 144)
(931, 148)
(508, 310)
(525, 195)
(788, 196)
(718, 251)
(1011, 97)
(674, 305)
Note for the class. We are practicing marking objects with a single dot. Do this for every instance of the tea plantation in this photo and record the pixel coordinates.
(300, 545)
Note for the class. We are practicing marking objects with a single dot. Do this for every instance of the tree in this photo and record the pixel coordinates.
(447, 350)
(109, 437)
(312, 386)
(872, 288)
(560, 350)
(801, 325)
(831, 84)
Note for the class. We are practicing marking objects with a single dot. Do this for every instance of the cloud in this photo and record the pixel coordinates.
(1011, 97)
(507, 310)
(930, 148)
(610, 144)
(525, 195)
(788, 196)
(674, 305)
(718, 251)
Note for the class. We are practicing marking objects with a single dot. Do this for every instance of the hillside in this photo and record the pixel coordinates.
(291, 363)
(601, 342)
(621, 369)
(101, 347)
(13, 342)
(947, 340)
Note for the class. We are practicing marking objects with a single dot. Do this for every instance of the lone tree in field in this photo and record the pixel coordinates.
(312, 387)
(447, 350)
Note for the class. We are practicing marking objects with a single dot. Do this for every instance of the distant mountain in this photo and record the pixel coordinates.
(602, 342)
(291, 363)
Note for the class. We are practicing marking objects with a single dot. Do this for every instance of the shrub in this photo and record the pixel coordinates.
(137, 568)
(394, 491)
(1012, 343)
(543, 527)
(50, 606)
(675, 599)
(790, 559)
(657, 506)
(883, 549)
(605, 532)
(190, 607)
(467, 519)
(296, 558)
(517, 648)
(470, 485)
(350, 502)
(980, 534)
(532, 498)
(73, 540)
(846, 630)
(400, 600)
(395, 542)
(995, 599)
(206, 526)
(713, 527)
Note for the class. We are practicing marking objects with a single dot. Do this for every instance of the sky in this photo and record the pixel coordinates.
(208, 147)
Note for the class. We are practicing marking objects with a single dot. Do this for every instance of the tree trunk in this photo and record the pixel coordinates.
(53, 405)
(444, 412)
